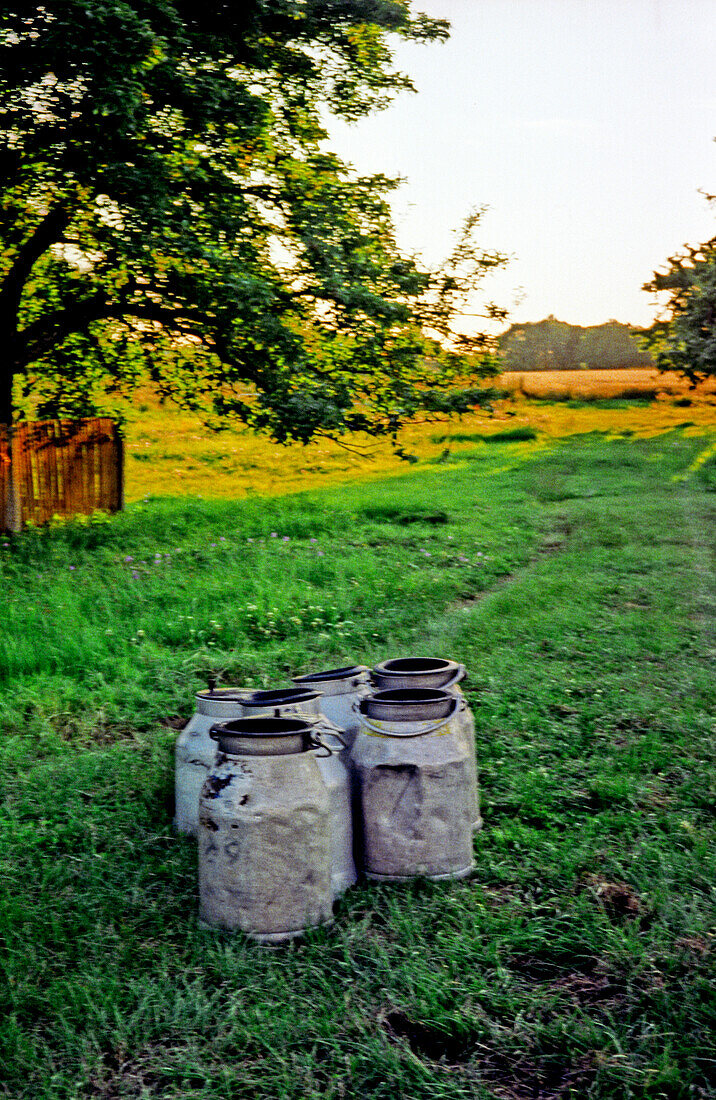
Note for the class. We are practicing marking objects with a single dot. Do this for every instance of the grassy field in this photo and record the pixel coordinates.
(574, 576)
(171, 452)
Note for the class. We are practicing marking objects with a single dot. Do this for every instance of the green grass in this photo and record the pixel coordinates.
(509, 435)
(576, 583)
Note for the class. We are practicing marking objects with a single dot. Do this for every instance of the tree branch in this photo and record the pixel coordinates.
(45, 234)
(40, 336)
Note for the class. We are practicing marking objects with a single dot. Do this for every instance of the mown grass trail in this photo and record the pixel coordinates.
(576, 582)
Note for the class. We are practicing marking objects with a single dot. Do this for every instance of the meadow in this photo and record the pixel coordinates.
(566, 555)
(170, 452)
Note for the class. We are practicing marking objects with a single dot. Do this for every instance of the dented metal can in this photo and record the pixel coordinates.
(195, 752)
(415, 784)
(306, 702)
(264, 833)
(446, 675)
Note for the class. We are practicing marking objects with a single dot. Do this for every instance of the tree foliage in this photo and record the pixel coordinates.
(685, 339)
(556, 345)
(169, 205)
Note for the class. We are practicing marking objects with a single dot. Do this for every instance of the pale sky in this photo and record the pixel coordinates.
(586, 126)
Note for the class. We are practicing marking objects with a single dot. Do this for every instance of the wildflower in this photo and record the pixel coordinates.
(212, 544)
(321, 554)
(314, 540)
(274, 535)
(249, 540)
(135, 574)
(286, 538)
(129, 558)
(222, 538)
(73, 567)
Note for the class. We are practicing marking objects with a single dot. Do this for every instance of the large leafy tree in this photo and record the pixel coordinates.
(169, 205)
(684, 339)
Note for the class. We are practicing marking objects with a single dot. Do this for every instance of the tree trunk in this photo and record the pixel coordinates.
(7, 377)
(49, 230)
(12, 519)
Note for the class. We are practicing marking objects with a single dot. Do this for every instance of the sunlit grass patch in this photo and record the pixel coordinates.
(170, 453)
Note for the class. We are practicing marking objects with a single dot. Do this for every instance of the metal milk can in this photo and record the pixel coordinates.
(340, 689)
(195, 752)
(264, 832)
(416, 787)
(305, 702)
(434, 672)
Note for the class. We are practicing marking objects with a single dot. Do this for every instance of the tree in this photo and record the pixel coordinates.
(685, 340)
(556, 345)
(169, 205)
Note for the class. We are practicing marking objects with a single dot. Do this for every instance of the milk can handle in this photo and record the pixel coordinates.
(459, 675)
(319, 725)
(326, 726)
(315, 742)
(423, 733)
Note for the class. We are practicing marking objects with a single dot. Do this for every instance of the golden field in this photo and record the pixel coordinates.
(170, 453)
(600, 383)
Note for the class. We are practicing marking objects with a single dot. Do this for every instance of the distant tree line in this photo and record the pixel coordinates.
(556, 345)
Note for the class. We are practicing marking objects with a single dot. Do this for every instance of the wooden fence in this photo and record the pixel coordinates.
(59, 467)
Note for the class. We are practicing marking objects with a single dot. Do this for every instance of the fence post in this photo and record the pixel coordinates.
(119, 439)
(13, 505)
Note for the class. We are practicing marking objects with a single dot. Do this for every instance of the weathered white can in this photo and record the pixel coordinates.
(435, 672)
(341, 689)
(264, 832)
(416, 789)
(195, 752)
(305, 702)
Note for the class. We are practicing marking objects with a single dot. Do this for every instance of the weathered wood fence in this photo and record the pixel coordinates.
(59, 467)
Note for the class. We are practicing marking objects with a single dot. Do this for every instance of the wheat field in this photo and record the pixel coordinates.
(607, 384)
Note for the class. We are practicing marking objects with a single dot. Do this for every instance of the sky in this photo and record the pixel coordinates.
(586, 126)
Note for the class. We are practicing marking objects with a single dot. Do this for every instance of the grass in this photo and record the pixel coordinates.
(574, 577)
(169, 452)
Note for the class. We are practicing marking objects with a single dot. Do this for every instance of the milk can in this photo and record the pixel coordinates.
(435, 672)
(305, 702)
(264, 832)
(195, 752)
(416, 788)
(340, 689)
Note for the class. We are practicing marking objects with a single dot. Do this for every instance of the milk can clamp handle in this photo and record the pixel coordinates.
(320, 725)
(378, 731)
